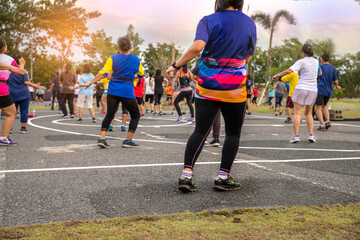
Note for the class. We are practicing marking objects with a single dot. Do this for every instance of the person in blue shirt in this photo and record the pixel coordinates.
(325, 88)
(85, 96)
(227, 40)
(120, 69)
(19, 91)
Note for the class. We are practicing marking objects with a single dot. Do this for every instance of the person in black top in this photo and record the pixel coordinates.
(158, 90)
(98, 94)
(55, 87)
(184, 77)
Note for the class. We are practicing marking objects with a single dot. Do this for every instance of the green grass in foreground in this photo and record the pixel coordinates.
(327, 222)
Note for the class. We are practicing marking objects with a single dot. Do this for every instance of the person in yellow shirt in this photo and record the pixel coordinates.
(292, 79)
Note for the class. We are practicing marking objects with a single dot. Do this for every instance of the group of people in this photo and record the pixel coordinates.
(226, 41)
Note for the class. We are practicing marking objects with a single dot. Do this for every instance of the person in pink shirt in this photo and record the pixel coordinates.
(139, 93)
(6, 103)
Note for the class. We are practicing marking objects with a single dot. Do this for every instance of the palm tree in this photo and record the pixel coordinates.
(269, 23)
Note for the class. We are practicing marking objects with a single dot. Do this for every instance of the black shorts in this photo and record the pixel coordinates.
(249, 96)
(321, 100)
(289, 103)
(140, 100)
(149, 97)
(40, 96)
(6, 101)
(76, 95)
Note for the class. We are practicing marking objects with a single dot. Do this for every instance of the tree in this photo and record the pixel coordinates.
(65, 24)
(100, 48)
(135, 39)
(160, 56)
(270, 23)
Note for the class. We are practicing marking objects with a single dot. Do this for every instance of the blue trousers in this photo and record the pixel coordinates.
(24, 109)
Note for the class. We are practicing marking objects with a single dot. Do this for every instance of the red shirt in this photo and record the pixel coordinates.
(139, 88)
(255, 93)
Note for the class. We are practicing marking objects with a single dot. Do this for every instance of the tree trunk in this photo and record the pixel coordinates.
(268, 77)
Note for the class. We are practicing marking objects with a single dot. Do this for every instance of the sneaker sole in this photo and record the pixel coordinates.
(312, 140)
(216, 145)
(221, 188)
(128, 146)
(9, 145)
(24, 132)
(186, 189)
(101, 145)
(294, 141)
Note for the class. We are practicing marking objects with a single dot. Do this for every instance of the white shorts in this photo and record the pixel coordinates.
(304, 97)
(84, 101)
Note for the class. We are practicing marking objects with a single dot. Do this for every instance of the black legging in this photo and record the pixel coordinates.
(112, 106)
(98, 100)
(180, 97)
(70, 99)
(206, 111)
(55, 94)
(157, 98)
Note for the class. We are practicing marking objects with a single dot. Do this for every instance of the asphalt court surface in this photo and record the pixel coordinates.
(57, 173)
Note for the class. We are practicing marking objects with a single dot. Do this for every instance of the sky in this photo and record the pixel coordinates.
(176, 20)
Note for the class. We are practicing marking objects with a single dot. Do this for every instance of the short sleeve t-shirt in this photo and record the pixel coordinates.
(5, 74)
(55, 81)
(249, 84)
(17, 88)
(329, 75)
(68, 80)
(280, 87)
(308, 68)
(122, 66)
(229, 37)
(292, 79)
(84, 79)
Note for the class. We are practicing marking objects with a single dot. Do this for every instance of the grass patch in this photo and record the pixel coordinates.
(327, 222)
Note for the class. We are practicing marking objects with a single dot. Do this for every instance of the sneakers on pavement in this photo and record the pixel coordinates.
(311, 138)
(191, 119)
(79, 120)
(129, 144)
(94, 120)
(72, 116)
(111, 128)
(327, 125)
(295, 139)
(123, 128)
(23, 130)
(288, 120)
(187, 185)
(7, 142)
(65, 117)
(321, 128)
(215, 143)
(102, 143)
(179, 119)
(226, 184)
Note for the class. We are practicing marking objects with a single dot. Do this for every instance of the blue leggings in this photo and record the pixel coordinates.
(24, 109)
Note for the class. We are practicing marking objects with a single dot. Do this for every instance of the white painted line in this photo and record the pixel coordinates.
(61, 122)
(301, 179)
(170, 164)
(346, 125)
(302, 149)
(181, 143)
(93, 135)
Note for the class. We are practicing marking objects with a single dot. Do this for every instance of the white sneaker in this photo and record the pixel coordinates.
(295, 139)
(311, 138)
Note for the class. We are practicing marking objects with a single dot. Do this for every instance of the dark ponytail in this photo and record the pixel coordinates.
(221, 5)
(308, 50)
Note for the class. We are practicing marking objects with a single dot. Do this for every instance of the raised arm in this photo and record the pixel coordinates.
(194, 50)
(286, 72)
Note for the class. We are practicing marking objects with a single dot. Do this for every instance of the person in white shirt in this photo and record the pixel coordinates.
(305, 91)
(149, 95)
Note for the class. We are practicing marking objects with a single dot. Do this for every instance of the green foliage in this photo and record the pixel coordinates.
(159, 56)
(135, 39)
(99, 49)
(65, 25)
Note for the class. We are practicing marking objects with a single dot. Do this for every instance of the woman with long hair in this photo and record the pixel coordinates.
(158, 89)
(227, 40)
